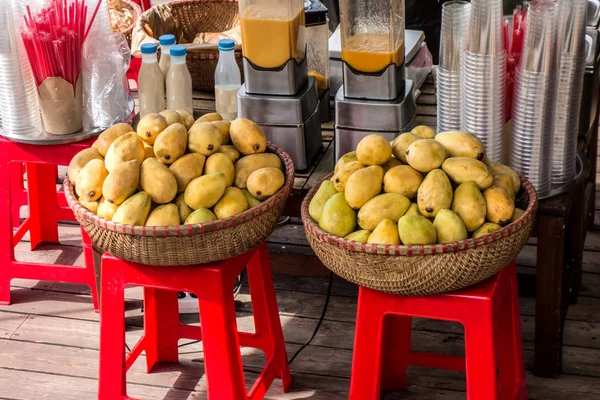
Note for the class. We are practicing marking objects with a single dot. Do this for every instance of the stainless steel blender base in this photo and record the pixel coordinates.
(387, 85)
(325, 106)
(292, 122)
(286, 81)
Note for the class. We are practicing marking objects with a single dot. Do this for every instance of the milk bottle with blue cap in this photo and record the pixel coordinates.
(151, 88)
(166, 42)
(179, 82)
(227, 80)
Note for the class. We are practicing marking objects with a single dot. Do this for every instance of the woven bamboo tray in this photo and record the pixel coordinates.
(137, 11)
(187, 244)
(423, 270)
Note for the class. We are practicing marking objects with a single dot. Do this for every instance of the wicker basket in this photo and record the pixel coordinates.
(422, 270)
(186, 244)
(185, 19)
(137, 12)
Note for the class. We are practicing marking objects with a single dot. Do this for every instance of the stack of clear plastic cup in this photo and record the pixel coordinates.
(535, 98)
(483, 77)
(18, 91)
(571, 47)
(455, 22)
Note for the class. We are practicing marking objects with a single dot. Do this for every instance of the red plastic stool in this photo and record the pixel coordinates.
(490, 315)
(46, 208)
(212, 284)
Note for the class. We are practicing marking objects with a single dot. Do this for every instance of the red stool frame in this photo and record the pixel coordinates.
(212, 283)
(46, 208)
(490, 315)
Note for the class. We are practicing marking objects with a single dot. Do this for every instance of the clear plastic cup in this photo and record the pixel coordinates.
(486, 30)
(455, 22)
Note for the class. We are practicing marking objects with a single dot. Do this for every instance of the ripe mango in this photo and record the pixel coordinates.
(426, 155)
(171, 143)
(373, 150)
(111, 134)
(386, 233)
(435, 193)
(184, 209)
(165, 215)
(390, 206)
(317, 203)
(247, 136)
(338, 218)
(402, 143)
(188, 119)
(517, 214)
(424, 131)
(230, 152)
(485, 229)
(342, 176)
(150, 127)
(90, 205)
(265, 182)
(346, 158)
(172, 117)
(449, 227)
(125, 148)
(106, 210)
(149, 151)
(122, 182)
(219, 162)
(158, 181)
(201, 216)
(404, 180)
(393, 162)
(90, 179)
(252, 201)
(498, 169)
(186, 169)
(205, 191)
(247, 165)
(503, 181)
(363, 185)
(210, 117)
(134, 210)
(413, 210)
(470, 206)
(500, 206)
(80, 160)
(232, 203)
(204, 138)
(416, 230)
(361, 236)
(223, 127)
(462, 144)
(464, 169)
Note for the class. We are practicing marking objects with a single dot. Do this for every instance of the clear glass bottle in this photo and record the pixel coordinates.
(166, 42)
(228, 80)
(179, 82)
(151, 88)
(317, 43)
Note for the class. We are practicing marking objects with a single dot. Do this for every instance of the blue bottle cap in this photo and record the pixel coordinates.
(148, 48)
(167, 40)
(226, 44)
(178, 51)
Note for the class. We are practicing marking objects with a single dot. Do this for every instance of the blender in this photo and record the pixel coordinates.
(278, 94)
(375, 96)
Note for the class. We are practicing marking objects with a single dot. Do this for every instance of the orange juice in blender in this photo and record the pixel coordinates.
(372, 52)
(272, 33)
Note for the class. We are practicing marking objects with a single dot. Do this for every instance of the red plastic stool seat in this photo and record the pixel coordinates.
(212, 284)
(490, 315)
(47, 206)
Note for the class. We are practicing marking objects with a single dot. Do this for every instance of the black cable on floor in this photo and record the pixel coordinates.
(127, 347)
(318, 323)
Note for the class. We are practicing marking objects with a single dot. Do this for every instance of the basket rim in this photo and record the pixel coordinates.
(352, 246)
(190, 229)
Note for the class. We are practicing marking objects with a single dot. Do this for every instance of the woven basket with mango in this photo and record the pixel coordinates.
(175, 192)
(424, 214)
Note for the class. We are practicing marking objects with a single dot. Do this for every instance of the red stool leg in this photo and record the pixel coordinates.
(161, 326)
(480, 349)
(366, 361)
(18, 194)
(222, 359)
(397, 338)
(266, 312)
(112, 380)
(41, 180)
(7, 254)
(88, 252)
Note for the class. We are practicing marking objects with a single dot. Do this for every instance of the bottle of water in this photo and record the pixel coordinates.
(227, 80)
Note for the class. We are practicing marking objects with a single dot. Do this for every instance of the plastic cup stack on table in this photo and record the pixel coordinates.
(572, 17)
(455, 22)
(483, 77)
(19, 105)
(534, 100)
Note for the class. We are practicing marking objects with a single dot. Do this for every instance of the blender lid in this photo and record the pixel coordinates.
(315, 12)
(413, 41)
